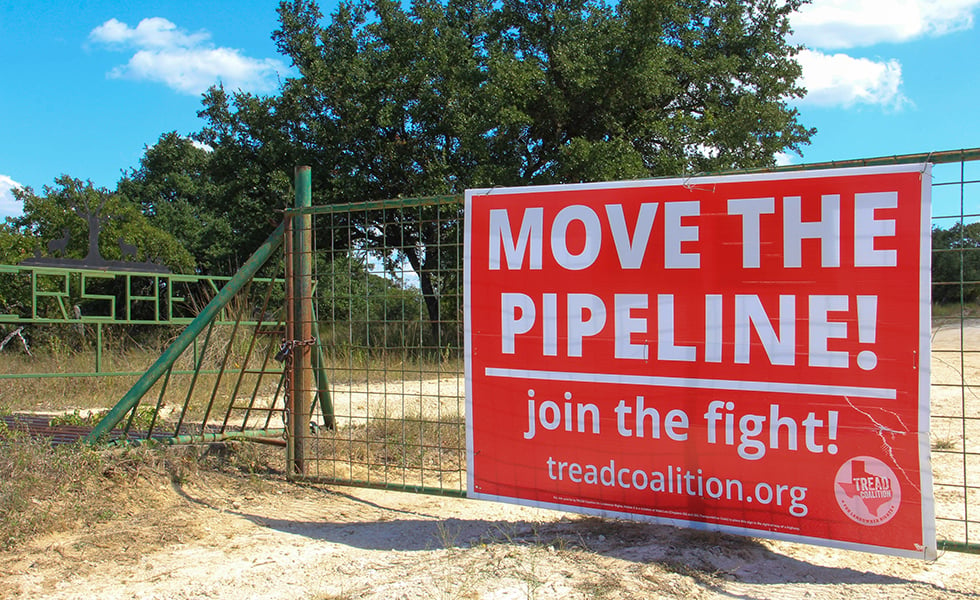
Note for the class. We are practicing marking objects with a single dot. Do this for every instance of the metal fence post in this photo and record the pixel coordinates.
(301, 378)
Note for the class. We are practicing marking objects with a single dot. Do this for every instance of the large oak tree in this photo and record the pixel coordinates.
(391, 100)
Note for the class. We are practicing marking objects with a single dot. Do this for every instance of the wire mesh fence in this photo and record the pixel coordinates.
(955, 405)
(389, 311)
(389, 392)
(389, 307)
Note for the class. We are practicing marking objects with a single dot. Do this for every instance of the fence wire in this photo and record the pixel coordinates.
(389, 306)
(955, 405)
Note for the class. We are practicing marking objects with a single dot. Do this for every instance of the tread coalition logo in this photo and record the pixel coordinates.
(867, 490)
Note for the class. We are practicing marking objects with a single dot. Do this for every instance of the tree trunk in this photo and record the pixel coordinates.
(429, 296)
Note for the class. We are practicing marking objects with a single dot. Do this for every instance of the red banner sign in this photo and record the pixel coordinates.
(743, 353)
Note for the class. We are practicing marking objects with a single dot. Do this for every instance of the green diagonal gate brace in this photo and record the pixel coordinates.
(186, 337)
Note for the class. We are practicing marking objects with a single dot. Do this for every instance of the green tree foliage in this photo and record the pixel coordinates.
(594, 91)
(433, 97)
(178, 192)
(956, 260)
(14, 245)
(252, 163)
(69, 210)
(394, 99)
(440, 96)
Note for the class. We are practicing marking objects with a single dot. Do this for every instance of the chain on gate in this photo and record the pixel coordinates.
(285, 356)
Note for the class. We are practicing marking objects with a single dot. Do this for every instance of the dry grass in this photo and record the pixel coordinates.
(58, 376)
(54, 390)
(410, 451)
(46, 489)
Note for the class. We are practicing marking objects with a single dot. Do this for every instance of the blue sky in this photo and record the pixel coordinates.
(88, 84)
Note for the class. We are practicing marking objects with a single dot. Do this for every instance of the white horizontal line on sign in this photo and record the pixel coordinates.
(774, 387)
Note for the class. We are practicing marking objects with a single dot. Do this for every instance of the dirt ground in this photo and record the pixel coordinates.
(233, 536)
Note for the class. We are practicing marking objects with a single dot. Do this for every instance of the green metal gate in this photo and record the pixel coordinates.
(362, 370)
(389, 317)
(389, 303)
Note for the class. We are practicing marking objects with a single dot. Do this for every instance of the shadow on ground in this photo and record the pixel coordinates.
(705, 557)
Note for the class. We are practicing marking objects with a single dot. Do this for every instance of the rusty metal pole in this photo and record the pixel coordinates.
(302, 365)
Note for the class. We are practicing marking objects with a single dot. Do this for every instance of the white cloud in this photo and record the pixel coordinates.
(155, 32)
(784, 159)
(842, 80)
(193, 70)
(9, 206)
(185, 62)
(835, 24)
